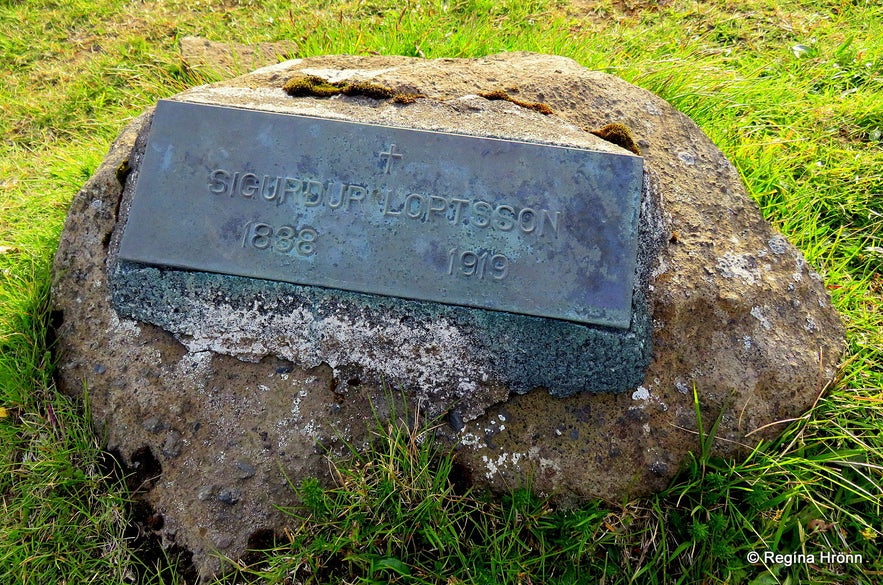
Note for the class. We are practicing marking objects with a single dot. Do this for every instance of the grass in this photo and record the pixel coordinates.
(396, 515)
(792, 92)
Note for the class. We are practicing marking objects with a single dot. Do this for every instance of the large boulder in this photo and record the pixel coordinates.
(221, 404)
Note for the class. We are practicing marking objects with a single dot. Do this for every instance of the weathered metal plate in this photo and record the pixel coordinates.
(503, 225)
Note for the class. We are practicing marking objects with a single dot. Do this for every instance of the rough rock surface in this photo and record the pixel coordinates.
(738, 317)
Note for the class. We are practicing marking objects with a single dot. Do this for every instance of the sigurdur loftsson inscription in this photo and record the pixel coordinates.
(502, 225)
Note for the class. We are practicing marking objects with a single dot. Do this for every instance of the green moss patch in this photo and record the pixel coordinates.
(314, 86)
(311, 85)
(618, 134)
(499, 94)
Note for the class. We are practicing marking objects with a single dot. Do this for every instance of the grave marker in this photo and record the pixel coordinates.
(526, 228)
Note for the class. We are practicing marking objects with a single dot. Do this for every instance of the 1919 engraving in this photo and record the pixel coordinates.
(477, 264)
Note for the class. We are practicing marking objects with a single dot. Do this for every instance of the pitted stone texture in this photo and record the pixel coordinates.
(738, 316)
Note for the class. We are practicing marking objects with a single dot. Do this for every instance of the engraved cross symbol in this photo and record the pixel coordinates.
(390, 156)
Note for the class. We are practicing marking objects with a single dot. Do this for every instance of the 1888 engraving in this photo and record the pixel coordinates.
(284, 239)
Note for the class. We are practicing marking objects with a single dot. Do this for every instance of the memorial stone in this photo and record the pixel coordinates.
(221, 371)
(528, 228)
(525, 248)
